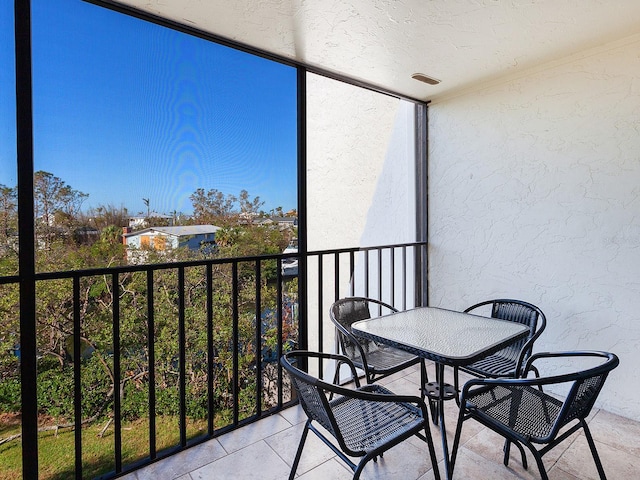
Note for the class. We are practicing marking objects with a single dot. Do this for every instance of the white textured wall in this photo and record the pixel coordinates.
(360, 161)
(360, 191)
(535, 194)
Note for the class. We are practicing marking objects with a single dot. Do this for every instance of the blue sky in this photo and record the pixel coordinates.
(124, 109)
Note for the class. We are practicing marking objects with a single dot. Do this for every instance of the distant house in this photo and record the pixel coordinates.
(142, 221)
(161, 239)
(282, 222)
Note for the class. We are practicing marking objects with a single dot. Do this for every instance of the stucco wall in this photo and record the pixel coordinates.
(535, 194)
(360, 170)
(360, 166)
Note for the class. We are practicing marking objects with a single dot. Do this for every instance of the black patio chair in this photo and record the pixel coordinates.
(365, 421)
(522, 412)
(376, 360)
(507, 363)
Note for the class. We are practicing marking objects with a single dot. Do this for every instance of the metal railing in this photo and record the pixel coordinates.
(207, 335)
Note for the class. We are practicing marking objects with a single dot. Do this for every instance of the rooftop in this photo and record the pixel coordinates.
(179, 231)
(266, 449)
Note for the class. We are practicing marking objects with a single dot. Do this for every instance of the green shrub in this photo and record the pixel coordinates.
(10, 395)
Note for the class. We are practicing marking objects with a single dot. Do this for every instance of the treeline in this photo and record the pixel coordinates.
(59, 218)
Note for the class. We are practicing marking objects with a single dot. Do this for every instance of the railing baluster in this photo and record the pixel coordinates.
(182, 340)
(210, 351)
(117, 375)
(77, 379)
(404, 278)
(379, 250)
(366, 273)
(392, 276)
(258, 349)
(336, 276)
(236, 340)
(151, 347)
(352, 267)
(320, 298)
(280, 300)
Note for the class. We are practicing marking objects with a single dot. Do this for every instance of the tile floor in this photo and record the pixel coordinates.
(265, 451)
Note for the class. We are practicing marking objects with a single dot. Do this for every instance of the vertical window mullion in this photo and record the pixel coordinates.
(26, 239)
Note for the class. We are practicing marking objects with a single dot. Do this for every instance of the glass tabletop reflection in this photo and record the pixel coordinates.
(446, 336)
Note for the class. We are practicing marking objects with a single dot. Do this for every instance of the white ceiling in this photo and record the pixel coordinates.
(383, 42)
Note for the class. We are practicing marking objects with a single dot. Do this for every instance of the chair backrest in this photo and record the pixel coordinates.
(519, 312)
(312, 397)
(585, 385)
(314, 393)
(345, 312)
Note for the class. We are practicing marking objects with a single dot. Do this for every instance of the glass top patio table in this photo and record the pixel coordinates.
(444, 336)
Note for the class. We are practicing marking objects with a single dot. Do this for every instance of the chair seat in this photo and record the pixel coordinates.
(387, 358)
(367, 425)
(493, 366)
(506, 362)
(524, 409)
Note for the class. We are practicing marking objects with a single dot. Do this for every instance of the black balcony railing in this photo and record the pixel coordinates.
(184, 352)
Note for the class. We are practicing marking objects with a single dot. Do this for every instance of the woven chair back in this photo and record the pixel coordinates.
(519, 313)
(583, 395)
(312, 398)
(346, 312)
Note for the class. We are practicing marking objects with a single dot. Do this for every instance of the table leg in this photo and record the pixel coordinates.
(443, 430)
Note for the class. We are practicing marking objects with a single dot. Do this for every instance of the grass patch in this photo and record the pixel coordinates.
(56, 451)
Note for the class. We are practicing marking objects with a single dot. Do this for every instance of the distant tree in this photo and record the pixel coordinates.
(146, 202)
(158, 221)
(227, 236)
(111, 235)
(57, 206)
(247, 205)
(248, 240)
(213, 207)
(71, 200)
(104, 216)
(8, 214)
(216, 208)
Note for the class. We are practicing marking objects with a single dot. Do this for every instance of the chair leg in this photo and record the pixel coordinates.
(507, 449)
(296, 460)
(432, 451)
(594, 452)
(456, 384)
(538, 457)
(357, 470)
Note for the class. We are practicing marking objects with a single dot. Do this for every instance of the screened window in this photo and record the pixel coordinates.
(139, 126)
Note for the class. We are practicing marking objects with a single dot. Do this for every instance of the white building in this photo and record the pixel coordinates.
(161, 239)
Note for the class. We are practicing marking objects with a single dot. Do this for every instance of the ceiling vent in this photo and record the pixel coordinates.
(425, 78)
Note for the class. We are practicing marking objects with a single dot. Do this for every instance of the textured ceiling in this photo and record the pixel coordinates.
(383, 42)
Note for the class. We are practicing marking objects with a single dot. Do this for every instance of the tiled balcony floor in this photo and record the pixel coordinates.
(265, 451)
